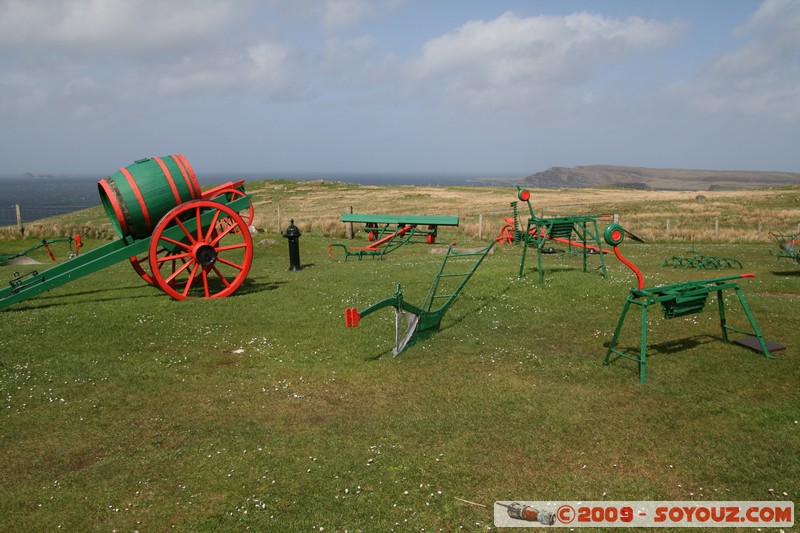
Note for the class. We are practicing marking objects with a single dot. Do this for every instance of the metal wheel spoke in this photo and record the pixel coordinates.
(212, 227)
(186, 232)
(205, 283)
(174, 257)
(229, 263)
(222, 278)
(222, 234)
(191, 279)
(231, 247)
(176, 243)
(177, 272)
(197, 217)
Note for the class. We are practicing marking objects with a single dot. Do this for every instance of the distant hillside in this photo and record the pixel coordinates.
(658, 178)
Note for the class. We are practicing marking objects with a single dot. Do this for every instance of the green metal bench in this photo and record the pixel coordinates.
(679, 300)
(413, 323)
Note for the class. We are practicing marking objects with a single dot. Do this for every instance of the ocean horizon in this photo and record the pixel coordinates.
(45, 196)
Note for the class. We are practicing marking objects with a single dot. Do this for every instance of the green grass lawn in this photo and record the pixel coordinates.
(122, 409)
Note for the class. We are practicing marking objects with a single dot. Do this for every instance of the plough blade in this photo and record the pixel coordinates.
(401, 341)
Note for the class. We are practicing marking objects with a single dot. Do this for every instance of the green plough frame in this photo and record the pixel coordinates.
(423, 320)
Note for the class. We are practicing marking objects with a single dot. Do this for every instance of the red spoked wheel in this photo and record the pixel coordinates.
(206, 260)
(506, 235)
(141, 263)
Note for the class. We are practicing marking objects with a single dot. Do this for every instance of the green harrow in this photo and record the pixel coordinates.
(699, 261)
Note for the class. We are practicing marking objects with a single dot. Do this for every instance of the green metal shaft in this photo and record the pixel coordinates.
(97, 259)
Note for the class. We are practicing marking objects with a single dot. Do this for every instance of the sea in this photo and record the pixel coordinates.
(46, 196)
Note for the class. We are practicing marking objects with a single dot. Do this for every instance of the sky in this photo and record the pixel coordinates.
(486, 88)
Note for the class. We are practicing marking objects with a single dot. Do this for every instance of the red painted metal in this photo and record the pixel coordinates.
(351, 317)
(197, 260)
(229, 190)
(639, 277)
(399, 233)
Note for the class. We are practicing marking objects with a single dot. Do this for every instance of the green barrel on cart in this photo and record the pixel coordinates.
(137, 196)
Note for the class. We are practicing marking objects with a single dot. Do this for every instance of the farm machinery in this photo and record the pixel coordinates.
(577, 231)
(387, 233)
(679, 300)
(701, 261)
(187, 242)
(74, 242)
(788, 246)
(412, 322)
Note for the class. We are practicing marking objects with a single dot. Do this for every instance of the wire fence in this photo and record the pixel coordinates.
(9, 214)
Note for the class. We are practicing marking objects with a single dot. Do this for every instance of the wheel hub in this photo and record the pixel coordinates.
(206, 255)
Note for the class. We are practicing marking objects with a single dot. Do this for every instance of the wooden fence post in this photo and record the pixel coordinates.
(350, 232)
(19, 220)
(480, 227)
(716, 228)
(667, 229)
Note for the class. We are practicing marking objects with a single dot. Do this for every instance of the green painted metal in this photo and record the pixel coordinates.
(44, 244)
(676, 300)
(388, 241)
(580, 232)
(700, 261)
(423, 320)
(387, 238)
(33, 283)
(137, 196)
(421, 220)
(788, 246)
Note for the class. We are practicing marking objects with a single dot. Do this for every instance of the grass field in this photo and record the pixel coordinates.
(124, 410)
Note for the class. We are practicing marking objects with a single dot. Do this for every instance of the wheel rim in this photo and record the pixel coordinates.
(246, 213)
(208, 260)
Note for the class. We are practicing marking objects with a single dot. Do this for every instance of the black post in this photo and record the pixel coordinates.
(293, 236)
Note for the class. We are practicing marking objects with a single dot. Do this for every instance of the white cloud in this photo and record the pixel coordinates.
(355, 63)
(336, 15)
(81, 59)
(104, 27)
(265, 68)
(491, 60)
(762, 76)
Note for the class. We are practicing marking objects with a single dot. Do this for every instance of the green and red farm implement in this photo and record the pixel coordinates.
(187, 242)
(680, 300)
(412, 322)
(74, 242)
(579, 232)
(788, 246)
(387, 233)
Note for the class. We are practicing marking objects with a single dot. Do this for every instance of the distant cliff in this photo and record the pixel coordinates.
(658, 178)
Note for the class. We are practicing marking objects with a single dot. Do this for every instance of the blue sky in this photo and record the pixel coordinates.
(403, 86)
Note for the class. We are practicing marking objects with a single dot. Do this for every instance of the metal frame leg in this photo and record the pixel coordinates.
(614, 338)
(753, 324)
